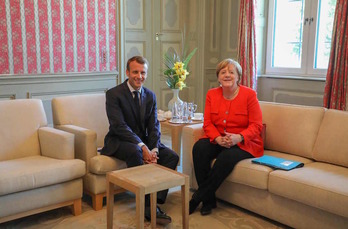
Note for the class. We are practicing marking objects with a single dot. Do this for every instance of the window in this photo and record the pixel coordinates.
(299, 37)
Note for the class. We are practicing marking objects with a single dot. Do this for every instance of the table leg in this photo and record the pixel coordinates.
(140, 205)
(109, 203)
(153, 198)
(176, 140)
(185, 203)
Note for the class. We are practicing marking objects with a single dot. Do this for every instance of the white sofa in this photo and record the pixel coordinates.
(314, 196)
(85, 117)
(38, 171)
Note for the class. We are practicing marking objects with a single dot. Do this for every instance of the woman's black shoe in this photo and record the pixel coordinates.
(206, 210)
(193, 205)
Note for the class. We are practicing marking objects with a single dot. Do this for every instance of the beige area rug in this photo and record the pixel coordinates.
(224, 216)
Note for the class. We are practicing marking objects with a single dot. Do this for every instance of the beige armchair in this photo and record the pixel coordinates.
(85, 117)
(38, 171)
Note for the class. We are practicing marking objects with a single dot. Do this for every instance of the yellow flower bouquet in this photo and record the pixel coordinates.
(177, 69)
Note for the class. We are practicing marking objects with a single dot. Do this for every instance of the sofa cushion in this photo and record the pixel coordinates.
(72, 110)
(317, 184)
(291, 128)
(332, 145)
(250, 174)
(254, 175)
(102, 164)
(20, 120)
(37, 171)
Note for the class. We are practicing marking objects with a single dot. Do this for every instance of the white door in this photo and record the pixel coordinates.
(151, 28)
(168, 28)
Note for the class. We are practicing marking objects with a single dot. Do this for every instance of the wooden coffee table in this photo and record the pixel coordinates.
(142, 180)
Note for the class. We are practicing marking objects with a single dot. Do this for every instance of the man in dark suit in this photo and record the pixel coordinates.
(134, 132)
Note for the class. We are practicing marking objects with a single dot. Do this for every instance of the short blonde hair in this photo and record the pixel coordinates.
(223, 64)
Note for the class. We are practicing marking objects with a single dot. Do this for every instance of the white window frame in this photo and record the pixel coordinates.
(308, 44)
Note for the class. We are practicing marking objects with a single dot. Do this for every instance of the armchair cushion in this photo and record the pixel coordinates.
(102, 164)
(87, 111)
(20, 119)
(56, 143)
(37, 171)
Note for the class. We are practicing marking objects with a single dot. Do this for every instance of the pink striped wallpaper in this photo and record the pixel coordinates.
(30, 39)
(91, 39)
(57, 36)
(16, 37)
(3, 39)
(102, 42)
(69, 43)
(43, 37)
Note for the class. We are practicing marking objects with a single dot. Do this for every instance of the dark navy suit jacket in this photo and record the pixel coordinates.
(124, 125)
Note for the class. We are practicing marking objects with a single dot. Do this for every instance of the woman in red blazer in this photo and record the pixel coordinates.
(232, 127)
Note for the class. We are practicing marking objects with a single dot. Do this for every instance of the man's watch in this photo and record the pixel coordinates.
(242, 137)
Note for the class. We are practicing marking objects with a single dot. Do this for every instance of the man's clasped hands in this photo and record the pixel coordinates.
(149, 157)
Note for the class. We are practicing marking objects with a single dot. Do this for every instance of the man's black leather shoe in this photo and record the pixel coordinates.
(207, 208)
(161, 217)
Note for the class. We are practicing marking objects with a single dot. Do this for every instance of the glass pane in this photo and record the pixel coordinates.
(324, 33)
(287, 40)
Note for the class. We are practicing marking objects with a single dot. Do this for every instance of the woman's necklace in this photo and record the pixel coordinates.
(233, 95)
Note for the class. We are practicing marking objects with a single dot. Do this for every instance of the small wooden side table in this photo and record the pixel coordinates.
(142, 180)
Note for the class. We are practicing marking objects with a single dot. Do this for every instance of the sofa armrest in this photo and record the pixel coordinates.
(85, 142)
(190, 135)
(56, 143)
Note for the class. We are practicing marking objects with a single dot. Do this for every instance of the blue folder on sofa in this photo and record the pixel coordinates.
(277, 162)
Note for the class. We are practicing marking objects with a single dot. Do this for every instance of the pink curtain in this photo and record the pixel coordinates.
(247, 43)
(335, 95)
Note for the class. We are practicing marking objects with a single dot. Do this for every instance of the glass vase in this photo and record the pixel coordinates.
(175, 99)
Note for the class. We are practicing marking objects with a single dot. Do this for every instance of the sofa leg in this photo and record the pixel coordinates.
(77, 207)
(97, 201)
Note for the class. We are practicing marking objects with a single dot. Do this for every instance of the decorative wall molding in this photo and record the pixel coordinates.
(52, 94)
(47, 97)
(294, 96)
(7, 96)
(49, 86)
(294, 91)
(134, 48)
(232, 28)
(134, 20)
(56, 78)
(213, 27)
(171, 15)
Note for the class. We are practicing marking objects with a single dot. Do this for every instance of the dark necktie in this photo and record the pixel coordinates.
(136, 99)
(137, 104)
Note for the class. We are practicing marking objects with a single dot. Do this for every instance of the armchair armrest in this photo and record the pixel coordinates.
(56, 143)
(190, 135)
(85, 142)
